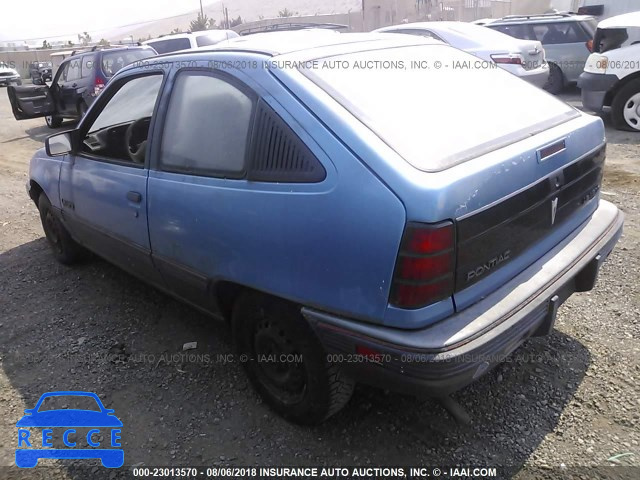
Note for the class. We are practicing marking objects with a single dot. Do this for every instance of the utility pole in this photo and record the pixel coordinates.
(201, 10)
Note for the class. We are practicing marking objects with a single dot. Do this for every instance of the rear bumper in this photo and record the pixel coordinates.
(594, 89)
(451, 354)
(537, 77)
(10, 80)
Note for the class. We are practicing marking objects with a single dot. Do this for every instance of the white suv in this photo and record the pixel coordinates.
(611, 78)
(186, 41)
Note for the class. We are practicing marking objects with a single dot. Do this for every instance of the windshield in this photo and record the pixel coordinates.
(114, 61)
(437, 117)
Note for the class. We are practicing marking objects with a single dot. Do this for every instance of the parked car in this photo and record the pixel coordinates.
(523, 58)
(611, 79)
(345, 235)
(9, 75)
(186, 41)
(566, 39)
(40, 72)
(77, 83)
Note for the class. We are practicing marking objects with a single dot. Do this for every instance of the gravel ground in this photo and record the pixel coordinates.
(569, 400)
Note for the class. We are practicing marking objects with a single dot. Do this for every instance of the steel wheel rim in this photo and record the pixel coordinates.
(631, 111)
(286, 380)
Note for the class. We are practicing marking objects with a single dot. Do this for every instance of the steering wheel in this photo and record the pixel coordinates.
(136, 139)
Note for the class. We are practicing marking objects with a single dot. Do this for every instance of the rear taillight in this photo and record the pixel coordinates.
(508, 59)
(98, 86)
(590, 46)
(425, 266)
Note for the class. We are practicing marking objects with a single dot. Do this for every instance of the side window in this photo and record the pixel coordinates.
(61, 74)
(121, 129)
(559, 33)
(88, 65)
(516, 31)
(74, 70)
(207, 126)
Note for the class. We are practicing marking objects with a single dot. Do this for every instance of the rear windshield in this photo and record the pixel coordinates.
(114, 61)
(449, 109)
(607, 39)
(170, 45)
(214, 37)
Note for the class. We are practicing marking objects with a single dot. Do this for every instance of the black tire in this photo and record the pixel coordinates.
(555, 83)
(305, 392)
(64, 248)
(623, 99)
(53, 121)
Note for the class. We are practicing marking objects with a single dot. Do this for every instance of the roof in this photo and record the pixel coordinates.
(626, 20)
(281, 43)
(542, 18)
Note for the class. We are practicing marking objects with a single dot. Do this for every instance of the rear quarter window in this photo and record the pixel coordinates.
(112, 62)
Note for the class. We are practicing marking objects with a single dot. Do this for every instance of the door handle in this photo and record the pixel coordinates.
(134, 197)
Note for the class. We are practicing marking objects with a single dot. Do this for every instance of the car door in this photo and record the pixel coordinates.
(203, 149)
(103, 186)
(69, 88)
(33, 101)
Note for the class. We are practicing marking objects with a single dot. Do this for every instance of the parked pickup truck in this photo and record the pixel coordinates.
(349, 225)
(610, 82)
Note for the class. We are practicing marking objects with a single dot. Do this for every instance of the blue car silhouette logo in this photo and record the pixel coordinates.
(62, 425)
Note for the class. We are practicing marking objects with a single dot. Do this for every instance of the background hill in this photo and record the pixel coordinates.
(249, 10)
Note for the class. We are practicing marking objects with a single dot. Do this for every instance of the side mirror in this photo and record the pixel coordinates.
(59, 144)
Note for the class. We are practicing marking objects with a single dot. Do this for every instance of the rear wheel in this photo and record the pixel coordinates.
(53, 121)
(555, 83)
(625, 109)
(285, 360)
(64, 248)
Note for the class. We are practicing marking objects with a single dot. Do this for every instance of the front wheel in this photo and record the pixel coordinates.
(625, 109)
(285, 361)
(64, 248)
(53, 121)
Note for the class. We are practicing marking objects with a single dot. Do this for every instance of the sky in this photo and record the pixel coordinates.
(26, 19)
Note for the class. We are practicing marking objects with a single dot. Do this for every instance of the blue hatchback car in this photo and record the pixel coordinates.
(370, 208)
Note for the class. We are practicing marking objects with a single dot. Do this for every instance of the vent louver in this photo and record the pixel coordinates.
(278, 155)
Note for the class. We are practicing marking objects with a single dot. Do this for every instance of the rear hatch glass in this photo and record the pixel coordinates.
(112, 62)
(434, 105)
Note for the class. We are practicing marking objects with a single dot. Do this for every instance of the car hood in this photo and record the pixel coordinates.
(69, 418)
(4, 69)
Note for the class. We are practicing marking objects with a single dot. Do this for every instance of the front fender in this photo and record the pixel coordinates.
(45, 172)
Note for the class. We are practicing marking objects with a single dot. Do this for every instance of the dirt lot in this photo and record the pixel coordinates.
(566, 401)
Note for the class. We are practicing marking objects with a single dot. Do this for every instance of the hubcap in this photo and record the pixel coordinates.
(49, 119)
(632, 111)
(282, 366)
